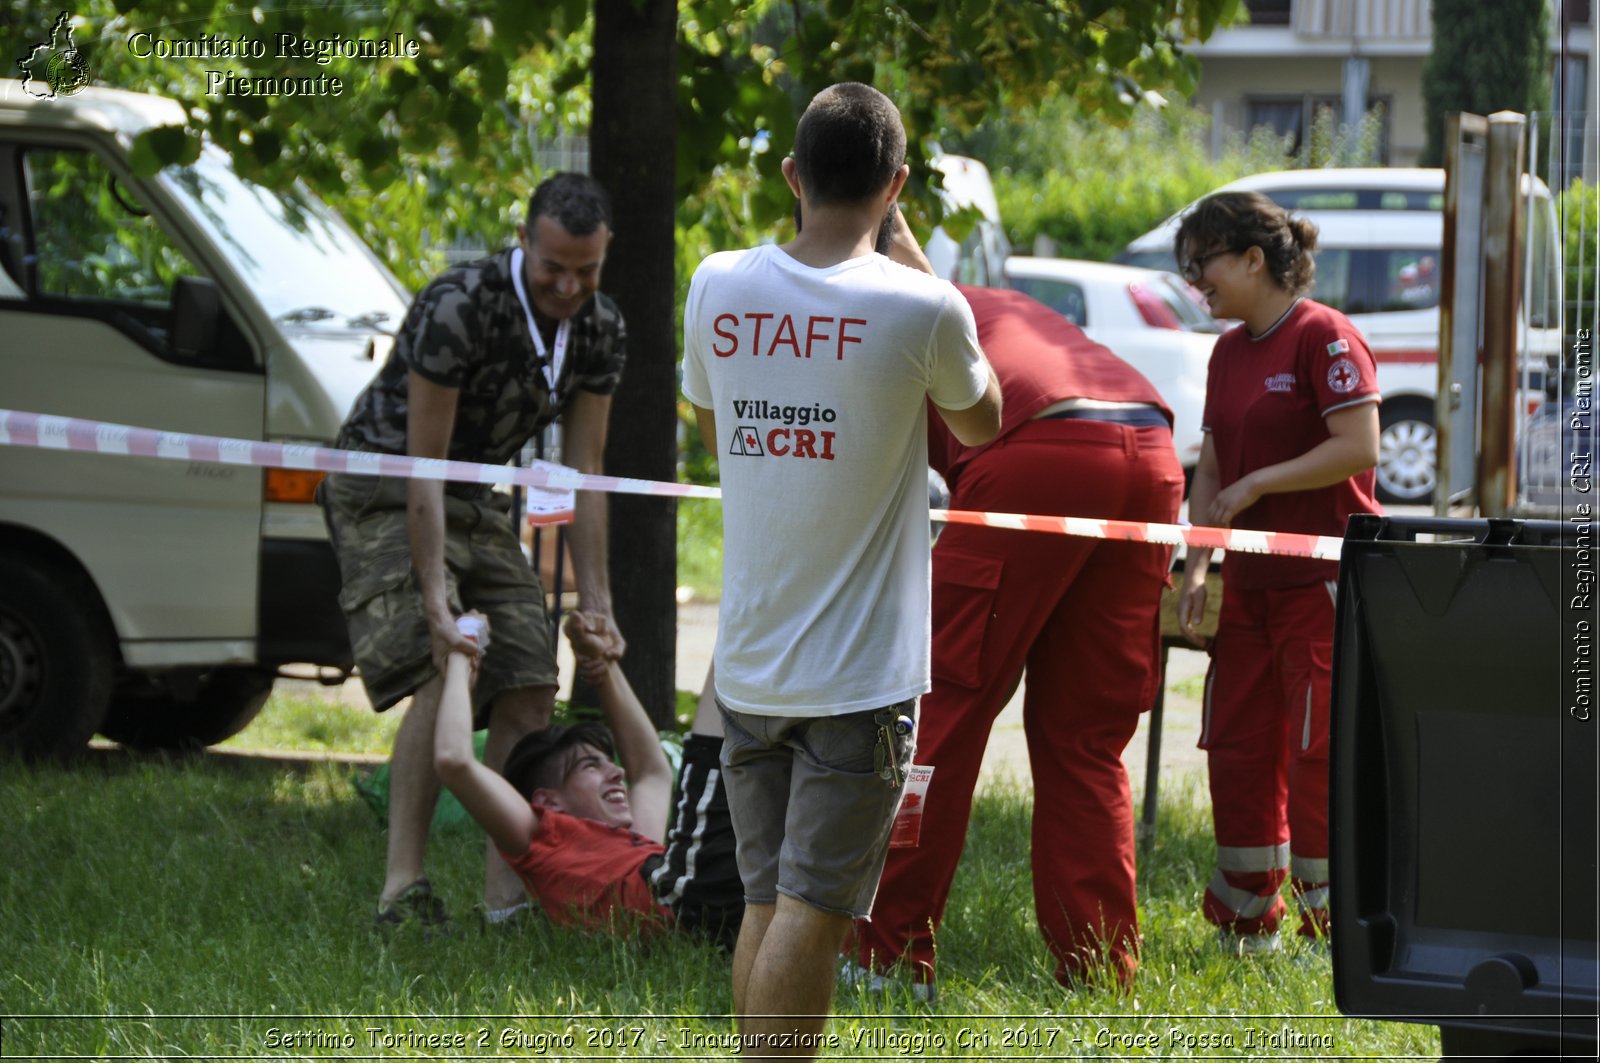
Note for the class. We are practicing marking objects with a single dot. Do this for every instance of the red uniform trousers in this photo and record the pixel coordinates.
(1265, 733)
(1082, 616)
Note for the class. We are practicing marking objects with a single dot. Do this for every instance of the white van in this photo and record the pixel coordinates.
(1378, 260)
(154, 600)
(980, 258)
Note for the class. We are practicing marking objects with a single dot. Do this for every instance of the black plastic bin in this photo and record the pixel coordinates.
(1463, 782)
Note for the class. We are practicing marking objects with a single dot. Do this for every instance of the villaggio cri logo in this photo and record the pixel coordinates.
(789, 437)
(54, 67)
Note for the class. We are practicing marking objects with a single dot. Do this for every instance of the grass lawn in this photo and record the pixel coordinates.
(220, 907)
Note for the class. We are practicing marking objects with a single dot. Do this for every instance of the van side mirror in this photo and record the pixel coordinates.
(196, 311)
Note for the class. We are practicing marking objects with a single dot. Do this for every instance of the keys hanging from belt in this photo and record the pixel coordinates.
(893, 727)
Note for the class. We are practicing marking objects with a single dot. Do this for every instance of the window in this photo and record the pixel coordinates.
(1357, 199)
(1293, 119)
(93, 239)
(1185, 305)
(1332, 285)
(1064, 297)
(1410, 280)
(1377, 280)
(1268, 12)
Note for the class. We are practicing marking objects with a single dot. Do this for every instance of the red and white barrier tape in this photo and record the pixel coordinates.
(1323, 547)
(99, 437)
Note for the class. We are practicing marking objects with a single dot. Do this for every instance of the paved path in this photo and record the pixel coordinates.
(1007, 752)
(1006, 756)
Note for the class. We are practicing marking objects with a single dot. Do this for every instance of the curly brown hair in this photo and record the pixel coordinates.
(1238, 221)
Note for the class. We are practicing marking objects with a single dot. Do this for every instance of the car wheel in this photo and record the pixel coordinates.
(56, 659)
(188, 712)
(1408, 453)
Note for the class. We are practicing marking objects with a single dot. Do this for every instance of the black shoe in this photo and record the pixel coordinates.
(414, 904)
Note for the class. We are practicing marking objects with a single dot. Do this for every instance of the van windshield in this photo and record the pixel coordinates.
(298, 257)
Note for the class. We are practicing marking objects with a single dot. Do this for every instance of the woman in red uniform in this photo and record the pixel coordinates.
(1291, 438)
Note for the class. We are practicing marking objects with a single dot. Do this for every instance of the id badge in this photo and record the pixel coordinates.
(907, 831)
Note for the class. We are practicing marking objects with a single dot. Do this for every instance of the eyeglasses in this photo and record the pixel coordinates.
(1196, 266)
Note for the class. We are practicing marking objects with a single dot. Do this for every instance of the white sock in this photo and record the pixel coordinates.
(500, 915)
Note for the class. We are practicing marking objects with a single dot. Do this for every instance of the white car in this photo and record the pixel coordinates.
(1149, 318)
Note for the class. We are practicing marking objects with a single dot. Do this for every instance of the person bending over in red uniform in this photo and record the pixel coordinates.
(1083, 434)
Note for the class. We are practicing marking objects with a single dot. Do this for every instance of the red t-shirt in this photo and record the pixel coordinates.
(1265, 403)
(1039, 358)
(585, 873)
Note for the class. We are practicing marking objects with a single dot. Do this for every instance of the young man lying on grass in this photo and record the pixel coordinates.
(588, 838)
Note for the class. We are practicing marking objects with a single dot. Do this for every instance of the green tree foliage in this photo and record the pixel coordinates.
(1088, 187)
(1579, 207)
(1486, 57)
(422, 148)
(413, 152)
(440, 144)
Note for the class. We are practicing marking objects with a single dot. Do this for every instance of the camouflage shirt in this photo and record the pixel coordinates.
(467, 330)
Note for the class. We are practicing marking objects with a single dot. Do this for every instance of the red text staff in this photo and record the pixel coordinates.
(767, 334)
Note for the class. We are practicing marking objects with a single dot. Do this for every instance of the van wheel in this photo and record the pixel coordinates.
(1408, 452)
(56, 659)
(189, 711)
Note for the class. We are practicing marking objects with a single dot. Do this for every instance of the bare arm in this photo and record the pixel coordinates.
(1351, 448)
(980, 422)
(1197, 560)
(430, 419)
(638, 745)
(584, 447)
(903, 246)
(494, 804)
(706, 421)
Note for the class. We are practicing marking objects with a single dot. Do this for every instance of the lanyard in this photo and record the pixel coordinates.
(552, 363)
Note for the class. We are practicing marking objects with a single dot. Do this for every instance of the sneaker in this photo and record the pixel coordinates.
(414, 904)
(1235, 944)
(511, 918)
(854, 976)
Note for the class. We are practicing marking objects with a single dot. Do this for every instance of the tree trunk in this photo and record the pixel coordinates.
(633, 145)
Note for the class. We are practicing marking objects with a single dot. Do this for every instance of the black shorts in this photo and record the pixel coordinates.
(698, 875)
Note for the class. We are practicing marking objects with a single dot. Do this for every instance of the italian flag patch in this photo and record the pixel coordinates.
(1338, 347)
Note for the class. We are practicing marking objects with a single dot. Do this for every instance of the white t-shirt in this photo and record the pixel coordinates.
(817, 378)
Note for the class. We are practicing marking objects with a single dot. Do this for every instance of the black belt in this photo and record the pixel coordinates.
(1137, 416)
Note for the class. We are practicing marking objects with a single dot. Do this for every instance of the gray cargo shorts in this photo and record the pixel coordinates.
(485, 569)
(811, 813)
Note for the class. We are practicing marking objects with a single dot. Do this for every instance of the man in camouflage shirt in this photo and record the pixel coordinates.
(490, 353)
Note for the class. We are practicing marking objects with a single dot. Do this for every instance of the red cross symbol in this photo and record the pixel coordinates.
(1343, 376)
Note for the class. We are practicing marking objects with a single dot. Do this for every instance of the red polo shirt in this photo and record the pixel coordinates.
(1266, 400)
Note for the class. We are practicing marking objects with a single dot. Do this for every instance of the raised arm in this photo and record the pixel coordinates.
(638, 746)
(583, 447)
(494, 804)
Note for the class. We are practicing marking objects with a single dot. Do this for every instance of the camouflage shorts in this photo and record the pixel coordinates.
(485, 569)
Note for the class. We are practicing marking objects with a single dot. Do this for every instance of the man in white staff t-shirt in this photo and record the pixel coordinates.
(815, 360)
